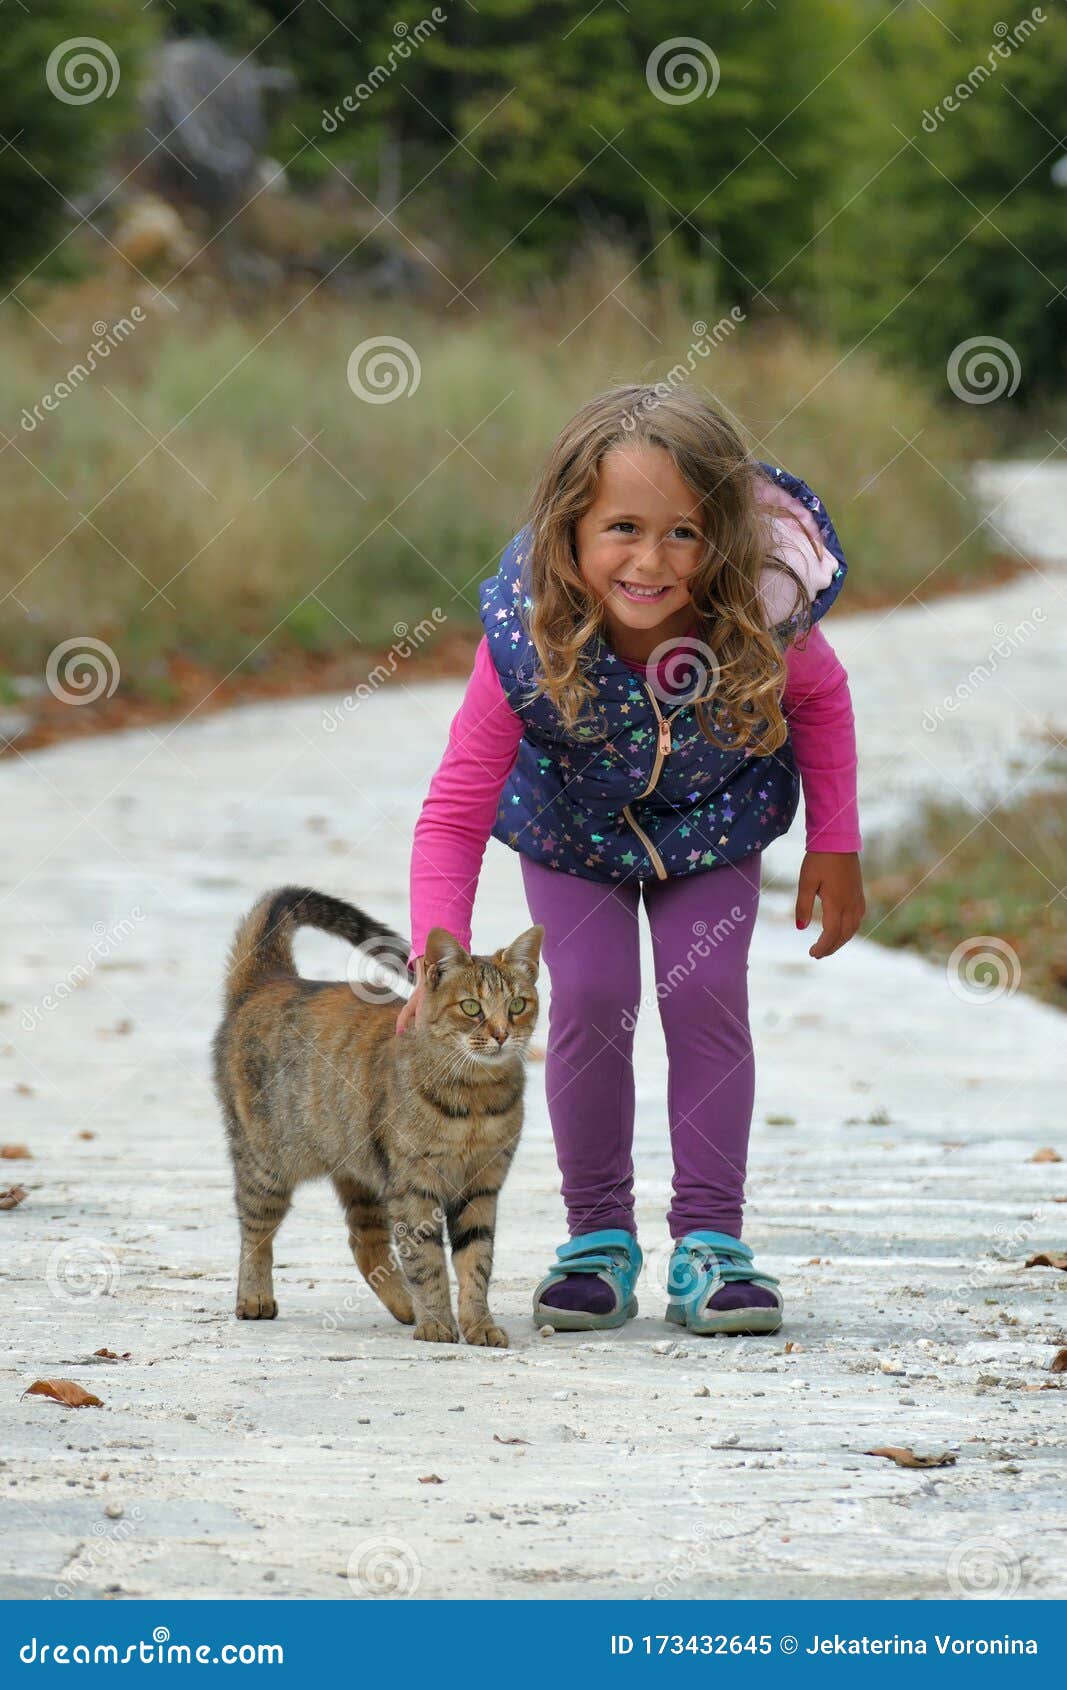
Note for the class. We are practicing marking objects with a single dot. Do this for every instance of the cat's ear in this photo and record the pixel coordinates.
(524, 953)
(442, 951)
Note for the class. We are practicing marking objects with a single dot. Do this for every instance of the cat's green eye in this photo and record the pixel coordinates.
(516, 1006)
(471, 1006)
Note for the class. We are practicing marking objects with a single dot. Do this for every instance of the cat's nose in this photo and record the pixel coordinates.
(499, 1036)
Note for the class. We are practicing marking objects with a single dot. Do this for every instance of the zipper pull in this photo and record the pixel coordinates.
(664, 737)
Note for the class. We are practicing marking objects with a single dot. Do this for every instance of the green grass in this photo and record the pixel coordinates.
(240, 540)
(951, 881)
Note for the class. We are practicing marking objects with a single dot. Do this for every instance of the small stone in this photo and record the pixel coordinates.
(547, 1332)
(891, 1367)
(270, 1576)
(907, 1402)
(663, 1347)
(702, 1391)
(989, 1378)
(562, 1396)
(189, 1415)
(363, 1420)
(114, 1510)
(732, 1438)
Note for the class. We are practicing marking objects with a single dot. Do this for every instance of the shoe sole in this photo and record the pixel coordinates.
(580, 1320)
(736, 1323)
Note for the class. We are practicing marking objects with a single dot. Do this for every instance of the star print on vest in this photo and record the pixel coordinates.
(600, 800)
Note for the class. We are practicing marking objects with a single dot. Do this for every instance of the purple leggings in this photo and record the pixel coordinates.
(701, 930)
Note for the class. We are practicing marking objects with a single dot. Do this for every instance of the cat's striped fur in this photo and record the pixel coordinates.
(415, 1130)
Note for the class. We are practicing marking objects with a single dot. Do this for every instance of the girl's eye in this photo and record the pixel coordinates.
(686, 533)
(516, 1006)
(471, 1006)
(627, 527)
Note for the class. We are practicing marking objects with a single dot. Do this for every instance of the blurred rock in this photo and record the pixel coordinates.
(206, 125)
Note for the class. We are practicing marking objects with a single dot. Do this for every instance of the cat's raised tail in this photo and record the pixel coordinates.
(262, 948)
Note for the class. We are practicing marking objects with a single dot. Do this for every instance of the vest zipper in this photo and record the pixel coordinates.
(663, 749)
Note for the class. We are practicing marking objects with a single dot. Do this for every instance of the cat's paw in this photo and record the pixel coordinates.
(256, 1308)
(485, 1332)
(437, 1332)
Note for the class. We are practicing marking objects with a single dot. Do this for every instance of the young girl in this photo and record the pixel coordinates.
(649, 687)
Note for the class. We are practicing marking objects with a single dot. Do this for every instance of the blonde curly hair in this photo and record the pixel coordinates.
(745, 709)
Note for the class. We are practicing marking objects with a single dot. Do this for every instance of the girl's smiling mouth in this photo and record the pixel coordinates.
(637, 594)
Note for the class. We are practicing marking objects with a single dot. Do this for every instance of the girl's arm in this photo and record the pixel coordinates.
(457, 815)
(818, 708)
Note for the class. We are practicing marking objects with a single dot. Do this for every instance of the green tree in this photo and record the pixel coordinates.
(60, 104)
(955, 230)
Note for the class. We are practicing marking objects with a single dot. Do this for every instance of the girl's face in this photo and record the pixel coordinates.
(637, 544)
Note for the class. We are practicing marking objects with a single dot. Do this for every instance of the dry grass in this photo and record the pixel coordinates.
(282, 512)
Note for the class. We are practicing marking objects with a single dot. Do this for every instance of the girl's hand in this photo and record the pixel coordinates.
(834, 877)
(410, 1011)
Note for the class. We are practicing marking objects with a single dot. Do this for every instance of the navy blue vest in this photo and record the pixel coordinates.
(637, 790)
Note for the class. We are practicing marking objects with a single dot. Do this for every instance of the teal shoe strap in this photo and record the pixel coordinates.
(613, 1254)
(725, 1258)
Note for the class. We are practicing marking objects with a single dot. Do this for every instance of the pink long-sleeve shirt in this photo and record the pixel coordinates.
(457, 816)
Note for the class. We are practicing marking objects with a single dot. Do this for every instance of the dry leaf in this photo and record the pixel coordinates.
(1059, 1199)
(13, 1196)
(109, 1355)
(86, 1134)
(497, 1439)
(813, 1261)
(1049, 1259)
(1046, 1155)
(64, 1391)
(16, 1153)
(791, 1348)
(24, 1090)
(1058, 1363)
(908, 1457)
(431, 1479)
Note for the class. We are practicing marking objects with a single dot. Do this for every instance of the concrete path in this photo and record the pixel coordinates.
(893, 1189)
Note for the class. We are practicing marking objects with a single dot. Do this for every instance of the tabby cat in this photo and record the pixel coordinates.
(416, 1130)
